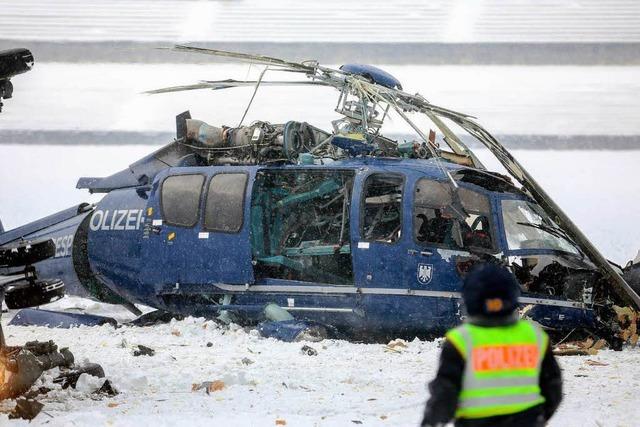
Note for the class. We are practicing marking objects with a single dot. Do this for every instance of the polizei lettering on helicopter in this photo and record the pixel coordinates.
(116, 219)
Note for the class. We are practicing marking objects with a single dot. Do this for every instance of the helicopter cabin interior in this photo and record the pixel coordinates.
(300, 225)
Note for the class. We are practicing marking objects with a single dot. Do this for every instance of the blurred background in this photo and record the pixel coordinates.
(557, 81)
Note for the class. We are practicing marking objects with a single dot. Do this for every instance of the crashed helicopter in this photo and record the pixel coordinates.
(341, 231)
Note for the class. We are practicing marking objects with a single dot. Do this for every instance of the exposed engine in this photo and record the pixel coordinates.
(298, 142)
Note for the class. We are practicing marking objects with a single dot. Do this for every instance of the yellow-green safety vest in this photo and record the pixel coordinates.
(502, 368)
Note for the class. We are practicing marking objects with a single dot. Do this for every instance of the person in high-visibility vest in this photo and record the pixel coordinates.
(495, 369)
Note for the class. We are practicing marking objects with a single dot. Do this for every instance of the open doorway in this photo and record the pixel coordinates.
(300, 225)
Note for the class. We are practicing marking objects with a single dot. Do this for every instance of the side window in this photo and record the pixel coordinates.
(433, 221)
(445, 218)
(180, 199)
(476, 229)
(224, 210)
(382, 208)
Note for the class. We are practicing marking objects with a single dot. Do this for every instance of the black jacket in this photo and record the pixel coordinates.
(446, 387)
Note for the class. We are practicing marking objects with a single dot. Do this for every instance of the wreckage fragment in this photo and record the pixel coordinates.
(621, 329)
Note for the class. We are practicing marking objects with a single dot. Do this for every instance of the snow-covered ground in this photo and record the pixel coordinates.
(345, 384)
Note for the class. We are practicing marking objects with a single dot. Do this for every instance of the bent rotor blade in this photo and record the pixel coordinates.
(230, 83)
(179, 88)
(240, 83)
(256, 59)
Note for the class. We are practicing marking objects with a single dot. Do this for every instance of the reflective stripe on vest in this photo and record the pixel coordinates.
(502, 368)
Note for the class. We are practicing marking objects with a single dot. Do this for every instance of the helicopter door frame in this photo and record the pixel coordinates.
(191, 255)
(231, 248)
(279, 210)
(376, 263)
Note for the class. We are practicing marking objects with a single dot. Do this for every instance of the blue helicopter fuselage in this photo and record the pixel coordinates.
(344, 244)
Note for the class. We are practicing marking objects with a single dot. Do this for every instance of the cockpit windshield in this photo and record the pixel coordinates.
(527, 226)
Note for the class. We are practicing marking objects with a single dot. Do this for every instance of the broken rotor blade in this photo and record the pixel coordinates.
(230, 83)
(256, 59)
(240, 83)
(407, 100)
(181, 88)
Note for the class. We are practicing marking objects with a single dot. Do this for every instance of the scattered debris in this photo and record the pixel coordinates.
(293, 330)
(107, 389)
(25, 364)
(112, 405)
(155, 317)
(143, 350)
(88, 383)
(356, 421)
(33, 393)
(27, 409)
(391, 349)
(628, 320)
(281, 422)
(591, 362)
(309, 351)
(588, 347)
(209, 386)
(70, 378)
(247, 361)
(209, 344)
(397, 344)
(176, 333)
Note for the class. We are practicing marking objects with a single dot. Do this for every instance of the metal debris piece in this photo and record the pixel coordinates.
(70, 378)
(143, 350)
(22, 366)
(209, 386)
(309, 351)
(591, 362)
(628, 320)
(155, 317)
(397, 344)
(107, 389)
(588, 347)
(26, 409)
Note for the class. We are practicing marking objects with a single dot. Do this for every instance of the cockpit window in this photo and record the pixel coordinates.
(382, 210)
(527, 226)
(453, 219)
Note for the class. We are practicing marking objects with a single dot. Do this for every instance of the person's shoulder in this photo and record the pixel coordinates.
(456, 340)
